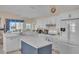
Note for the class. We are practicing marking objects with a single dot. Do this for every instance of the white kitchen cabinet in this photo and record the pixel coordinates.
(11, 43)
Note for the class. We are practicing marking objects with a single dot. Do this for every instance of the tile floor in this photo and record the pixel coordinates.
(14, 52)
(65, 48)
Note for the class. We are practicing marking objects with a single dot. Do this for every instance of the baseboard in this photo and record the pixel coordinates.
(9, 52)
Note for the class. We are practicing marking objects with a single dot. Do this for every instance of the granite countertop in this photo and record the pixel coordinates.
(36, 42)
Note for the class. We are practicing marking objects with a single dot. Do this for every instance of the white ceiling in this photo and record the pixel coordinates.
(67, 8)
(35, 10)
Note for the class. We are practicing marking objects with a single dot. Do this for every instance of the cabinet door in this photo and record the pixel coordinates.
(12, 44)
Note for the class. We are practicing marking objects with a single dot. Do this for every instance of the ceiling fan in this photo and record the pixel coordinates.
(53, 10)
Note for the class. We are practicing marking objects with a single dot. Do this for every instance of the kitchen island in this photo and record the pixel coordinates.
(35, 45)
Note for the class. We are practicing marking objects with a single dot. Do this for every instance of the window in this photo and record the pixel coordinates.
(28, 26)
(13, 25)
(72, 27)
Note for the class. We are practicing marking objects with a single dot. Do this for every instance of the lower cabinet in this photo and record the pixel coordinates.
(11, 44)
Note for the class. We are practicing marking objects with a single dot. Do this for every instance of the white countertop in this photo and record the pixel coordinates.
(33, 39)
(36, 42)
